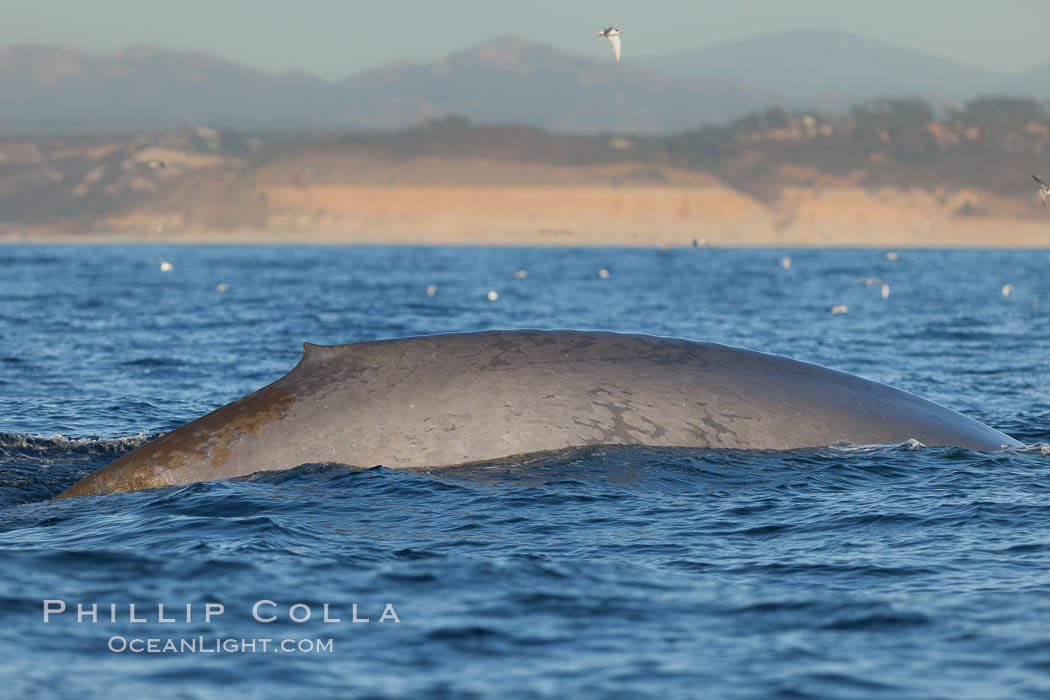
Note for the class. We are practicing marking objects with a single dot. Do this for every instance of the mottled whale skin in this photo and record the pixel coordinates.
(443, 400)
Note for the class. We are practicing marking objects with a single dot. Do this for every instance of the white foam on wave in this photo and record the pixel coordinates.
(1039, 448)
(911, 444)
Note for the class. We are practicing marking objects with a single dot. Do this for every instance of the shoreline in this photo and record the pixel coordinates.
(276, 240)
(988, 237)
(265, 238)
(711, 215)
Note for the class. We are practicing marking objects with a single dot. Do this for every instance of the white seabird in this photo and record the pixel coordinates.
(885, 288)
(613, 35)
(868, 280)
(1044, 190)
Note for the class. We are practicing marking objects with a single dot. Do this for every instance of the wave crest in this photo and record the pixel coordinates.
(60, 443)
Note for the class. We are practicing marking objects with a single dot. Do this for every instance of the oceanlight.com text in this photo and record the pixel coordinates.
(218, 645)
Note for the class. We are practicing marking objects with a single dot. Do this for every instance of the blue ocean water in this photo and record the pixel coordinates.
(897, 571)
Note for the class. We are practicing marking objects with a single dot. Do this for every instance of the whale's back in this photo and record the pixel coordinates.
(443, 400)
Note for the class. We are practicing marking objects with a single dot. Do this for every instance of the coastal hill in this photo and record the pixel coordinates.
(48, 89)
(502, 80)
(890, 173)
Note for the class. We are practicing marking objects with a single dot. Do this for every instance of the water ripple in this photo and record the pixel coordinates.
(890, 571)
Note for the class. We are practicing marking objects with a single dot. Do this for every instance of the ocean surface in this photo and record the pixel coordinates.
(895, 571)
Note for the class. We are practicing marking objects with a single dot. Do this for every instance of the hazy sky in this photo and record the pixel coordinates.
(334, 38)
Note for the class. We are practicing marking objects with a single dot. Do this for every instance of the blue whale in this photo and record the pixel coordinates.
(443, 400)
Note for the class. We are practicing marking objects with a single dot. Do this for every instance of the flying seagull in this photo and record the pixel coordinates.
(1044, 190)
(308, 168)
(613, 35)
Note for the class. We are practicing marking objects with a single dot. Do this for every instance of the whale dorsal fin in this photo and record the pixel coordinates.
(319, 353)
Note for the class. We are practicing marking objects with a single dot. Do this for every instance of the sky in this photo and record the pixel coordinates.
(334, 39)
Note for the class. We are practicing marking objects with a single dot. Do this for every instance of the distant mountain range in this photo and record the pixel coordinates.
(832, 69)
(50, 89)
